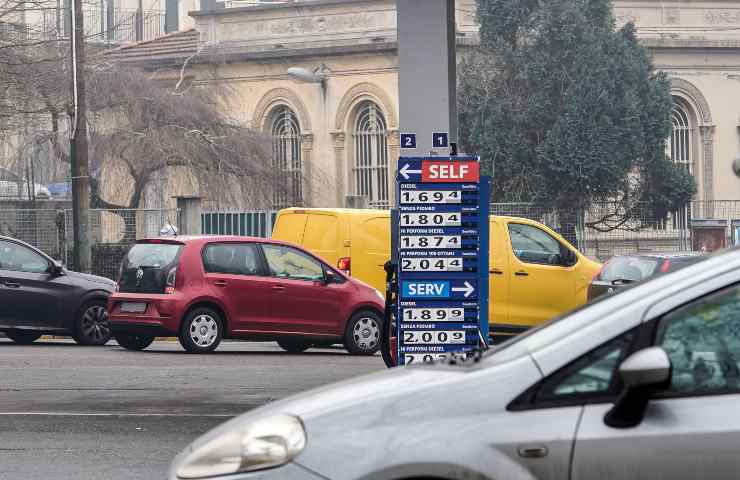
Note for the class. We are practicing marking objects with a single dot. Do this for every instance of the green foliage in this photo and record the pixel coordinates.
(567, 109)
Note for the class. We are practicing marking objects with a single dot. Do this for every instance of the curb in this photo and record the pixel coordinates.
(61, 337)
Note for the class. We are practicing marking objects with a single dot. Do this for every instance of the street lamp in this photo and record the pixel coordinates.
(318, 75)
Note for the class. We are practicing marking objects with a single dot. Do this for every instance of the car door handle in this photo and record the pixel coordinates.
(10, 284)
(278, 288)
(496, 271)
(220, 283)
(533, 452)
(521, 273)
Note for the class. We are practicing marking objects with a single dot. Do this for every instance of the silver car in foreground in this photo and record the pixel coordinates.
(644, 384)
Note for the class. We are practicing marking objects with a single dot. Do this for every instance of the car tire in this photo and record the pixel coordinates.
(362, 336)
(292, 345)
(23, 337)
(133, 341)
(201, 331)
(92, 327)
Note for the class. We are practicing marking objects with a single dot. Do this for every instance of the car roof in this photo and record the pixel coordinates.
(202, 239)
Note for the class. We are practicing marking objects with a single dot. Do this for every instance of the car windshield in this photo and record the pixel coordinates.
(151, 255)
(630, 269)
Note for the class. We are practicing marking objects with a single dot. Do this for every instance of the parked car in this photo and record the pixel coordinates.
(204, 289)
(535, 273)
(637, 385)
(39, 296)
(624, 270)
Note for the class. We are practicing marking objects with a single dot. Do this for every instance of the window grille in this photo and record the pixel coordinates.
(370, 160)
(286, 158)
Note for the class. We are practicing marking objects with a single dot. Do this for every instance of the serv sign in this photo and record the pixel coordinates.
(441, 237)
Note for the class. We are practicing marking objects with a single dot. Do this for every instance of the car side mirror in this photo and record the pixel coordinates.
(329, 277)
(643, 373)
(56, 268)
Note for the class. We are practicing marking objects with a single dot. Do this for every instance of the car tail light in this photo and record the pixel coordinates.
(345, 265)
(171, 279)
(666, 266)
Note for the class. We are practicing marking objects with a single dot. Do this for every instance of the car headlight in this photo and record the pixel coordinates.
(379, 294)
(265, 443)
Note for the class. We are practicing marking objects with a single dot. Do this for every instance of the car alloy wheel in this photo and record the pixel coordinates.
(363, 333)
(201, 330)
(93, 327)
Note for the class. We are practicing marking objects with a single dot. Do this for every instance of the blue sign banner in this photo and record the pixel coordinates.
(442, 241)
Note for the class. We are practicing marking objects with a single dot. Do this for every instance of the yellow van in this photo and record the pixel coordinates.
(528, 281)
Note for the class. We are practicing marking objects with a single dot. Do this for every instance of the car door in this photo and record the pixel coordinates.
(237, 277)
(30, 296)
(300, 300)
(498, 281)
(555, 406)
(692, 429)
(540, 286)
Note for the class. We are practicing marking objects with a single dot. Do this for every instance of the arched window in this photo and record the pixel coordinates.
(370, 159)
(679, 146)
(286, 157)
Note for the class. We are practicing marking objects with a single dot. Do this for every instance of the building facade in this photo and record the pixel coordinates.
(336, 140)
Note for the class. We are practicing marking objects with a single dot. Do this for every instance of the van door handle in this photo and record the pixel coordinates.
(220, 283)
(496, 271)
(521, 273)
(533, 452)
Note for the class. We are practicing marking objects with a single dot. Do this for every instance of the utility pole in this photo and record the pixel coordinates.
(78, 144)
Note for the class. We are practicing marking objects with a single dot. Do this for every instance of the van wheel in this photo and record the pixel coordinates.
(133, 341)
(201, 331)
(91, 326)
(291, 345)
(22, 337)
(362, 336)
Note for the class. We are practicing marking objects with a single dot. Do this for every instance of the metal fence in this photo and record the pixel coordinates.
(251, 224)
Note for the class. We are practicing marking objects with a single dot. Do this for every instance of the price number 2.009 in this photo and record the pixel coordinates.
(431, 196)
(435, 337)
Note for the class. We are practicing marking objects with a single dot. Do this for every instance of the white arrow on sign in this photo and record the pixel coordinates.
(468, 289)
(405, 171)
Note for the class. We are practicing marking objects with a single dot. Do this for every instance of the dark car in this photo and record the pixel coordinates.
(624, 270)
(203, 289)
(39, 296)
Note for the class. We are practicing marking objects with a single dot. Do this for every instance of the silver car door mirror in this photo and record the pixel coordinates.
(643, 373)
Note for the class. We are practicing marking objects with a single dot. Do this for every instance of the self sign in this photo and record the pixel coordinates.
(441, 241)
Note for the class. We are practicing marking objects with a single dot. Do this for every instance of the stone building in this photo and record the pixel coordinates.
(336, 140)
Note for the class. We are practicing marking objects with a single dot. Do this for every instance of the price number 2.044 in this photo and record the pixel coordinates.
(447, 264)
(431, 196)
(434, 337)
(431, 241)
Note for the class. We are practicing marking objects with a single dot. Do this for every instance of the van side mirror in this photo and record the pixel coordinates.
(568, 257)
(643, 373)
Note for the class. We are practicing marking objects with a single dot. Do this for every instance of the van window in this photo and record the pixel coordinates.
(533, 245)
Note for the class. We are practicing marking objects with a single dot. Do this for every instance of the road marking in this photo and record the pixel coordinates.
(78, 414)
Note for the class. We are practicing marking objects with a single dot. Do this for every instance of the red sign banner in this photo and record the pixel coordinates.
(440, 171)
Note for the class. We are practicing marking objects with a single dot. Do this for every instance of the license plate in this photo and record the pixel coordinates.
(131, 307)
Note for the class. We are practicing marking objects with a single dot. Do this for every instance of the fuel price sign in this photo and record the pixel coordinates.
(442, 242)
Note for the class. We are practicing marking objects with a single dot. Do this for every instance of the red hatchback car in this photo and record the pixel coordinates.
(204, 289)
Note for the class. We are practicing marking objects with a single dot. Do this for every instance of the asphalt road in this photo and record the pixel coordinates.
(69, 412)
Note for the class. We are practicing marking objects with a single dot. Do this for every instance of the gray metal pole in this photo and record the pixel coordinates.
(427, 79)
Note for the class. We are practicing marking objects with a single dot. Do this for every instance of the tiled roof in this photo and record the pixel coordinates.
(168, 48)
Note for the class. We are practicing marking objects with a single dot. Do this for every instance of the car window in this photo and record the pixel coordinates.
(702, 340)
(629, 269)
(287, 262)
(533, 245)
(21, 259)
(232, 258)
(594, 374)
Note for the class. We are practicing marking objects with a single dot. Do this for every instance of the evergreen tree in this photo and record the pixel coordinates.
(568, 110)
